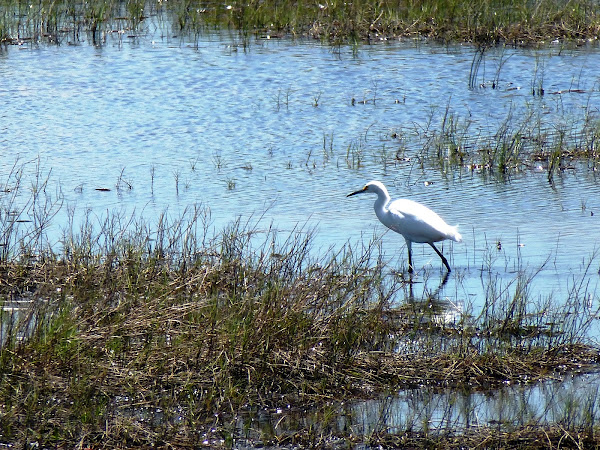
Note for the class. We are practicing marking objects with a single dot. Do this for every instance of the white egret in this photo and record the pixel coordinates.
(416, 222)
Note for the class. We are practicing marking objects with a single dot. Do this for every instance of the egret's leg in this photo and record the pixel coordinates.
(409, 247)
(444, 260)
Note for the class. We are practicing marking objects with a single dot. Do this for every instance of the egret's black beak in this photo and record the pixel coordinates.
(360, 191)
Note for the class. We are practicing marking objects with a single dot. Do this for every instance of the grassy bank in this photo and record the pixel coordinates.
(481, 21)
(157, 335)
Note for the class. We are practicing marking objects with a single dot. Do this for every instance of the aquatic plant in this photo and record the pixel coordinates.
(522, 141)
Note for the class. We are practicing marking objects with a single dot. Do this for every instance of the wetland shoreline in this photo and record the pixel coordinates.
(483, 22)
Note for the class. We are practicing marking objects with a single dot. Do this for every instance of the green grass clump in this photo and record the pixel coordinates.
(522, 142)
(208, 330)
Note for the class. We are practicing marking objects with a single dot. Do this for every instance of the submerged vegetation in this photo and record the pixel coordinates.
(156, 334)
(481, 21)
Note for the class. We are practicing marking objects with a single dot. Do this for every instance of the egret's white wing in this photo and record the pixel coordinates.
(418, 223)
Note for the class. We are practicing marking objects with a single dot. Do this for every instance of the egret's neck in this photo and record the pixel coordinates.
(383, 198)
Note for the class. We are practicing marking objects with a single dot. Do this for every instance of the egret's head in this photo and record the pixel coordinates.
(373, 186)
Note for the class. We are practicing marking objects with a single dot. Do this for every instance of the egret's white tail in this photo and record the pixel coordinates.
(455, 235)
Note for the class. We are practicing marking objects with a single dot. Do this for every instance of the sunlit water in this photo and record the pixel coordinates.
(273, 132)
(420, 409)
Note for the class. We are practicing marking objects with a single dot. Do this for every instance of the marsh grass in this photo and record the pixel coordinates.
(138, 334)
(523, 141)
(484, 21)
(67, 21)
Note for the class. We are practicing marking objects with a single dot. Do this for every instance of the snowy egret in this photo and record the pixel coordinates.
(416, 222)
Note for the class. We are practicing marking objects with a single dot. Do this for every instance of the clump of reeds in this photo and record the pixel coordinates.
(520, 142)
(55, 22)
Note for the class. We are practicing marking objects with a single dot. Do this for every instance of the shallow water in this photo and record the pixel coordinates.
(166, 124)
(551, 401)
(275, 132)
(564, 399)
